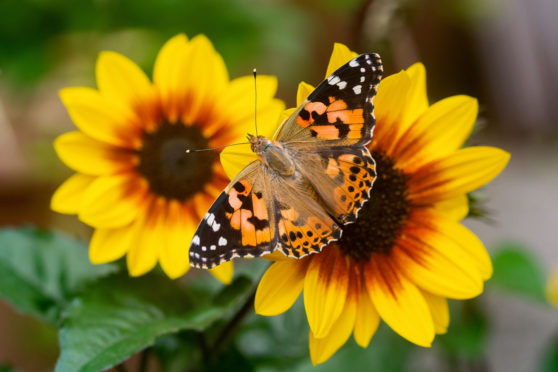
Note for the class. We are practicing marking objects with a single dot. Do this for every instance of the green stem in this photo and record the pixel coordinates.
(229, 329)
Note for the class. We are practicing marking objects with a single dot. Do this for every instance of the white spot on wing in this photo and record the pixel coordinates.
(342, 85)
(216, 226)
(210, 218)
(362, 69)
(354, 63)
(334, 80)
(222, 242)
(196, 240)
(357, 89)
(213, 247)
(204, 248)
(362, 78)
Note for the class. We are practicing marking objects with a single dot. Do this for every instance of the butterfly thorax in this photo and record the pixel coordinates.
(273, 154)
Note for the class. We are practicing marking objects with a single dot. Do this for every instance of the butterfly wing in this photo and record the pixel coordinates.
(328, 133)
(238, 223)
(248, 219)
(342, 178)
(340, 110)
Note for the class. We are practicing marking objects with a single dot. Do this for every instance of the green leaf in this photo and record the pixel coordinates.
(41, 270)
(516, 270)
(467, 334)
(550, 357)
(119, 316)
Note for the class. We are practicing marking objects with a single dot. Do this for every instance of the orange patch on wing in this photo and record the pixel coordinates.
(336, 105)
(289, 214)
(248, 229)
(343, 200)
(311, 107)
(346, 116)
(332, 169)
(355, 131)
(234, 200)
(235, 220)
(263, 236)
(326, 131)
(260, 209)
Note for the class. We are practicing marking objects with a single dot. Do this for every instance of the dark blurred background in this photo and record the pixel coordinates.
(504, 52)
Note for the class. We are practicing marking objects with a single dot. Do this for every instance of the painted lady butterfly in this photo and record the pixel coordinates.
(313, 176)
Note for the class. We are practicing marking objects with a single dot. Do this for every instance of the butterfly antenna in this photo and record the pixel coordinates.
(216, 148)
(255, 102)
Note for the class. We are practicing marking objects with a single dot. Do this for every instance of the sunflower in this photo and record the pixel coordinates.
(134, 182)
(407, 253)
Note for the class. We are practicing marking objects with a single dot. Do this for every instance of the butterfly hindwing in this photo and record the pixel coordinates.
(342, 178)
(302, 224)
(340, 109)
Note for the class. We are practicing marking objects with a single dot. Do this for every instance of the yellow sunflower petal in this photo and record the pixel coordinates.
(169, 74)
(67, 197)
(552, 288)
(468, 242)
(399, 302)
(237, 101)
(267, 124)
(389, 106)
(280, 286)
(325, 289)
(109, 245)
(436, 263)
(439, 310)
(340, 55)
(321, 349)
(86, 155)
(113, 201)
(367, 320)
(235, 159)
(121, 81)
(303, 91)
(455, 209)
(100, 119)
(180, 229)
(438, 132)
(459, 173)
(223, 272)
(417, 97)
(207, 77)
(149, 228)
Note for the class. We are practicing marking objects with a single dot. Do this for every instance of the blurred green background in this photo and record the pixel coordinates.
(504, 52)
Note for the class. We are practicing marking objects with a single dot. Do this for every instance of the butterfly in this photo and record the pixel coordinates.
(310, 179)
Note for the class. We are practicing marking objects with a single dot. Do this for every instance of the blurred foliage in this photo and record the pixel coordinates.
(516, 270)
(550, 357)
(35, 36)
(467, 334)
(40, 271)
(119, 316)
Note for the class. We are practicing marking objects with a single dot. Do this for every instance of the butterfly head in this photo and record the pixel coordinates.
(258, 143)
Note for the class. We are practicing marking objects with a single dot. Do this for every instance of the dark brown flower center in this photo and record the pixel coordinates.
(380, 220)
(170, 171)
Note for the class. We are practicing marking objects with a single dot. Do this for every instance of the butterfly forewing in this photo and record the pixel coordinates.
(238, 224)
(340, 110)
